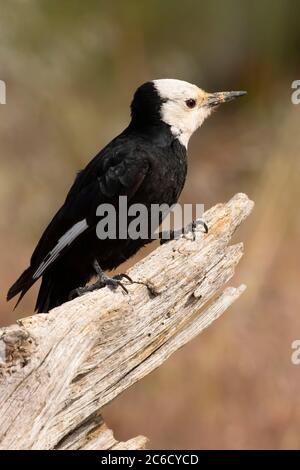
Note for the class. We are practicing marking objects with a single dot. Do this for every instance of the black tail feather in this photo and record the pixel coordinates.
(22, 285)
(53, 292)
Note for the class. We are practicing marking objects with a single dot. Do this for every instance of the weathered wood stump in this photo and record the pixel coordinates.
(58, 370)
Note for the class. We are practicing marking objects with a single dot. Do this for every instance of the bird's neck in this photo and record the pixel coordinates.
(158, 132)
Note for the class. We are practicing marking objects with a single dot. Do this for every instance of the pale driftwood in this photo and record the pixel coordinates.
(59, 369)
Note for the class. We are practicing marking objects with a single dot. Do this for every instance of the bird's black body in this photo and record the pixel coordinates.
(146, 163)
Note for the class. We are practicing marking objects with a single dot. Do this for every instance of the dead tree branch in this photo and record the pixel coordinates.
(58, 370)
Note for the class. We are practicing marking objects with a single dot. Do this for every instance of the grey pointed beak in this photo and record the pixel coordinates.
(214, 99)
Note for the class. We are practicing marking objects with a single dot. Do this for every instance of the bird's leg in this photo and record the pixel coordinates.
(113, 281)
(175, 234)
(102, 281)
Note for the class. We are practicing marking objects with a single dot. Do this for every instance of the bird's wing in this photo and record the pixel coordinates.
(101, 182)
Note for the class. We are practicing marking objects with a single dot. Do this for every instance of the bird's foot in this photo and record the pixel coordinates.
(176, 234)
(201, 222)
(103, 281)
(194, 226)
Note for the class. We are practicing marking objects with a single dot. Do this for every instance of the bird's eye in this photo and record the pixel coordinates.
(191, 103)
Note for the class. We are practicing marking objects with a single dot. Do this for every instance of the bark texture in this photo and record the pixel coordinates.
(58, 370)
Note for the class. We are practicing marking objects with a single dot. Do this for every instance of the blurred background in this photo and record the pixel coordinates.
(71, 68)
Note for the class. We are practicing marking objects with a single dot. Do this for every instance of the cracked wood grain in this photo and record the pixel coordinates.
(58, 370)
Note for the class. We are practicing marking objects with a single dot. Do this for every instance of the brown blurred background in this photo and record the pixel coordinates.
(71, 68)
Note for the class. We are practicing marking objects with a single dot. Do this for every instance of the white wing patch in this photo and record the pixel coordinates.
(64, 241)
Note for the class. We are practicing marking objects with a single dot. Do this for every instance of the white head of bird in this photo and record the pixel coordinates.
(184, 106)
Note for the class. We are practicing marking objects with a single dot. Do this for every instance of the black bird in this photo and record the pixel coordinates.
(146, 162)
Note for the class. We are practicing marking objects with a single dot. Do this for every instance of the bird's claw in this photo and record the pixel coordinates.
(176, 234)
(113, 282)
(193, 230)
(201, 222)
(194, 225)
